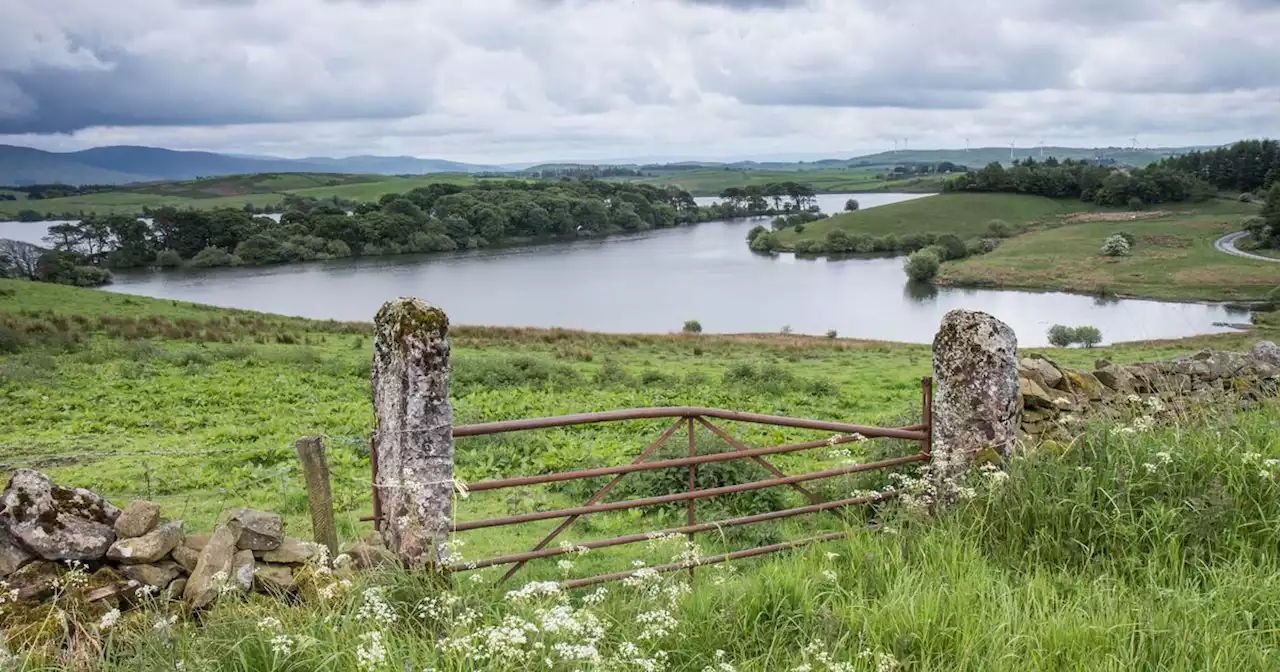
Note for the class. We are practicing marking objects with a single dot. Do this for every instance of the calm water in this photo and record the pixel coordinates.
(655, 281)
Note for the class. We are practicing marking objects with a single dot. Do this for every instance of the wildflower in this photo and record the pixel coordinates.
(328, 592)
(1250, 458)
(596, 597)
(77, 574)
(270, 623)
(282, 645)
(109, 619)
(570, 547)
(145, 591)
(370, 653)
(476, 578)
(375, 607)
(1133, 399)
(637, 563)
(829, 575)
(565, 565)
(831, 555)
(721, 665)
(453, 551)
(7, 594)
(657, 624)
(1164, 458)
(163, 624)
(534, 589)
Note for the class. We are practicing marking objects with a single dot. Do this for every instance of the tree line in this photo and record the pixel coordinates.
(1104, 185)
(1245, 166)
(437, 217)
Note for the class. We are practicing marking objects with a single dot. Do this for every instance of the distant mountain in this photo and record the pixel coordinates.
(124, 164)
(981, 156)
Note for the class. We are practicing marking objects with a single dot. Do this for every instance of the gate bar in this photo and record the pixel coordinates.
(657, 464)
(678, 412)
(682, 496)
(648, 536)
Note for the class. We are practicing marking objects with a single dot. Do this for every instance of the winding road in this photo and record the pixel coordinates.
(1227, 244)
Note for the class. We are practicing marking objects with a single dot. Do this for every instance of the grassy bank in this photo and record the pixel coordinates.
(965, 215)
(1173, 258)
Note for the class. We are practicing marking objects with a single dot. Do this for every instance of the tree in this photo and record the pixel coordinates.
(1088, 336)
(692, 327)
(953, 247)
(755, 231)
(999, 228)
(21, 259)
(765, 242)
(1061, 336)
(838, 241)
(851, 205)
(922, 266)
(1115, 246)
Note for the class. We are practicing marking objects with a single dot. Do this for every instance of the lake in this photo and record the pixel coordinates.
(653, 282)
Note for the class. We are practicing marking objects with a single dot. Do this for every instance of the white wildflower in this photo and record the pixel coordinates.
(829, 575)
(476, 578)
(721, 665)
(270, 624)
(375, 607)
(534, 589)
(657, 624)
(597, 597)
(282, 645)
(570, 547)
(565, 566)
(145, 591)
(109, 619)
(163, 623)
(370, 653)
(831, 555)
(453, 551)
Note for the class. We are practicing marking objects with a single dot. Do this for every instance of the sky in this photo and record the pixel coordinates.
(502, 81)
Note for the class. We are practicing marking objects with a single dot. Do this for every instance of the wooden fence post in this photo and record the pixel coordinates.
(413, 430)
(315, 468)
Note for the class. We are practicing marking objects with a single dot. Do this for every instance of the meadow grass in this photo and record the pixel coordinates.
(1150, 550)
(1173, 258)
(965, 215)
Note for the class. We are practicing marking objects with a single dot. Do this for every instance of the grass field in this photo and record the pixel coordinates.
(711, 182)
(1174, 258)
(965, 215)
(1080, 560)
(234, 191)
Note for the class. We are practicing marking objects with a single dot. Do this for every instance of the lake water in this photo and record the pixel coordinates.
(653, 282)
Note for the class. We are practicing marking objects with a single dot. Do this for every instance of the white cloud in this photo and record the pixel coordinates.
(512, 80)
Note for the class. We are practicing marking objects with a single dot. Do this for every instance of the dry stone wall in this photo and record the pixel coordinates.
(1054, 400)
(48, 530)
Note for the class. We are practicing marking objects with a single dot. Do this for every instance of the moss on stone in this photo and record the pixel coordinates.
(397, 319)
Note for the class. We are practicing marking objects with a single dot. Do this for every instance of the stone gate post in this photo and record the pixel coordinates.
(413, 430)
(975, 369)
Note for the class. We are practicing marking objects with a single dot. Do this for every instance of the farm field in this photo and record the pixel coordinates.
(1173, 258)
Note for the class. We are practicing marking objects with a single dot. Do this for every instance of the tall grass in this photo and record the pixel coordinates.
(1123, 551)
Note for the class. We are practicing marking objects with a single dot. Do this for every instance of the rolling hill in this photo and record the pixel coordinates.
(126, 164)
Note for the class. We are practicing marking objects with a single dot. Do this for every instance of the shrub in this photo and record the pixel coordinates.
(1128, 238)
(831, 333)
(851, 205)
(1088, 336)
(864, 244)
(838, 241)
(692, 327)
(1246, 197)
(339, 249)
(952, 246)
(211, 257)
(808, 247)
(800, 227)
(755, 231)
(765, 242)
(1135, 203)
(786, 329)
(922, 266)
(888, 243)
(982, 245)
(1115, 246)
(999, 228)
(1061, 336)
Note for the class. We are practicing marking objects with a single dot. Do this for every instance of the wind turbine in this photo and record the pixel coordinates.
(1042, 148)
(1011, 144)
(966, 144)
(895, 145)
(1134, 146)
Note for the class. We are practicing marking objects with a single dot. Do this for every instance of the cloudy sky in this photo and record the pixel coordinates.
(529, 80)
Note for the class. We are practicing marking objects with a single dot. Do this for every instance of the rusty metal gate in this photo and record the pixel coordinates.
(686, 418)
